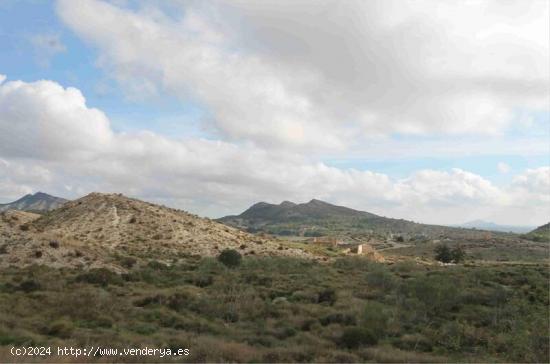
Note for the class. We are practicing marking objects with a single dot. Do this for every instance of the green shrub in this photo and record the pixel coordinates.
(307, 325)
(230, 316)
(353, 337)
(100, 321)
(313, 233)
(230, 258)
(327, 296)
(203, 280)
(304, 296)
(414, 342)
(457, 254)
(380, 277)
(151, 300)
(54, 244)
(285, 332)
(144, 328)
(353, 263)
(10, 338)
(443, 253)
(375, 318)
(60, 328)
(127, 262)
(438, 294)
(338, 318)
(100, 276)
(29, 286)
(178, 301)
(210, 265)
(156, 265)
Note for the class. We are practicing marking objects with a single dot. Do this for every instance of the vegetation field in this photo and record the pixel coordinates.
(284, 310)
(478, 251)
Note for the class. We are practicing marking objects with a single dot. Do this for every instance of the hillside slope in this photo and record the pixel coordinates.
(318, 218)
(99, 229)
(39, 202)
(542, 233)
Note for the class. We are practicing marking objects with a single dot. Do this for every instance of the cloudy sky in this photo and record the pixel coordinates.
(434, 111)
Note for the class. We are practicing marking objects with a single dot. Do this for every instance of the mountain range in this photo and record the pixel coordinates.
(487, 225)
(39, 202)
(319, 218)
(314, 218)
(110, 230)
(289, 211)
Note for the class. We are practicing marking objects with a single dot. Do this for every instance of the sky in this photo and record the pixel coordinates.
(428, 110)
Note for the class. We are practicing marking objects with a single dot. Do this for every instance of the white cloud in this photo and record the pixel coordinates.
(329, 74)
(17, 179)
(448, 188)
(49, 137)
(533, 187)
(503, 167)
(43, 120)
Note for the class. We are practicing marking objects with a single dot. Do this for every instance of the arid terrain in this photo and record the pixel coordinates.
(111, 271)
(266, 181)
(107, 230)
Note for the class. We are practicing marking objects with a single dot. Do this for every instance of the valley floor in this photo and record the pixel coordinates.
(279, 309)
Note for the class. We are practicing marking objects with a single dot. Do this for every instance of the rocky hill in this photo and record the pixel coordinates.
(318, 218)
(114, 230)
(38, 202)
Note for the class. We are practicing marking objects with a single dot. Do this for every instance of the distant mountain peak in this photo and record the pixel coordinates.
(37, 202)
(287, 211)
(41, 194)
(259, 205)
(316, 201)
(488, 225)
(287, 204)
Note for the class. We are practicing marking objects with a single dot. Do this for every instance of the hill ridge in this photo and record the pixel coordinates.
(291, 210)
(317, 218)
(98, 229)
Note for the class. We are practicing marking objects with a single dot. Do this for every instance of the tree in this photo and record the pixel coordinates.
(443, 253)
(230, 258)
(457, 254)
